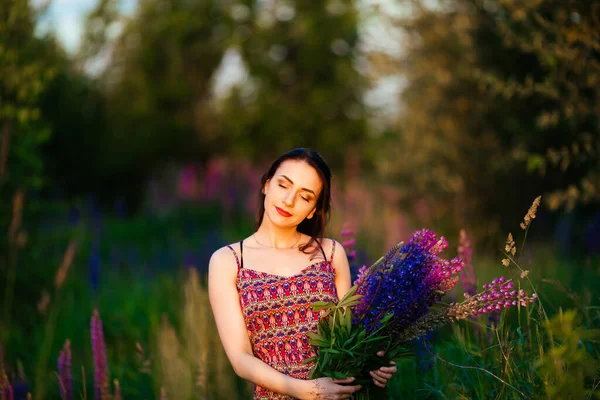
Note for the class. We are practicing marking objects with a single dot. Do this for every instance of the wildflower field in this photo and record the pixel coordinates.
(118, 309)
(134, 134)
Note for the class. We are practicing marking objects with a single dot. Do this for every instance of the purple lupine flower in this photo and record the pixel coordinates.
(498, 294)
(65, 380)
(346, 231)
(416, 272)
(361, 273)
(6, 391)
(467, 277)
(349, 242)
(101, 385)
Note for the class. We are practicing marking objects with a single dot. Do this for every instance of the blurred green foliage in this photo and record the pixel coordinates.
(303, 87)
(155, 102)
(501, 104)
(150, 298)
(25, 69)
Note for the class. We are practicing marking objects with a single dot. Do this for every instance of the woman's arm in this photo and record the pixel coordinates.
(224, 300)
(342, 270)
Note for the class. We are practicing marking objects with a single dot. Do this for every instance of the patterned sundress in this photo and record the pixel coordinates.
(278, 314)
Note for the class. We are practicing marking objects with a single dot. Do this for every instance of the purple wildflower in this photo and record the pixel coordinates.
(498, 294)
(65, 380)
(467, 277)
(361, 273)
(346, 231)
(101, 385)
(406, 282)
(349, 242)
(6, 391)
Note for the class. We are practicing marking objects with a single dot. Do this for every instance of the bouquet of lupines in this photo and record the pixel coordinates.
(394, 301)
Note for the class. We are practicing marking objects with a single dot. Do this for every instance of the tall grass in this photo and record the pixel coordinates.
(146, 279)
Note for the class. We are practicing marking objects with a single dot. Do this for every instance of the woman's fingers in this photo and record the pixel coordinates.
(378, 380)
(345, 392)
(346, 380)
(382, 375)
(388, 370)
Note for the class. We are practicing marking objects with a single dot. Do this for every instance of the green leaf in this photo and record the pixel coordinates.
(350, 301)
(375, 339)
(337, 375)
(330, 351)
(321, 305)
(325, 361)
(317, 340)
(309, 360)
(386, 318)
(349, 294)
(324, 329)
(346, 320)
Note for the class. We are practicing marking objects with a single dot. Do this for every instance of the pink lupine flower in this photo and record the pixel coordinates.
(64, 372)
(101, 385)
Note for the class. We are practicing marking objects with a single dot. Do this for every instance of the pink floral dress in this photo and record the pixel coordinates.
(278, 314)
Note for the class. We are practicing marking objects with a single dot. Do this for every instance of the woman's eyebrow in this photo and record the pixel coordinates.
(292, 182)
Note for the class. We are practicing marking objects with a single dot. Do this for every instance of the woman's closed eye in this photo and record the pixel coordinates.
(302, 197)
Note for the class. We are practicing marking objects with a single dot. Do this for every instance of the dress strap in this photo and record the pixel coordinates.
(242, 253)
(239, 261)
(332, 250)
(322, 251)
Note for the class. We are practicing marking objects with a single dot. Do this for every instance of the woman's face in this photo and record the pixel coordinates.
(291, 194)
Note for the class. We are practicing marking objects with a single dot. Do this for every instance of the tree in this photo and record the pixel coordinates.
(303, 88)
(25, 72)
(23, 77)
(156, 85)
(497, 90)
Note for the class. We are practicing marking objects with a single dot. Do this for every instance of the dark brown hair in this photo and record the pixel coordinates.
(315, 226)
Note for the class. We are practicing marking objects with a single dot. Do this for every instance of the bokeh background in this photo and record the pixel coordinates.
(133, 134)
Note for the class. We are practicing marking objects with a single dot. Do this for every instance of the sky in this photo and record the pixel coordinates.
(66, 18)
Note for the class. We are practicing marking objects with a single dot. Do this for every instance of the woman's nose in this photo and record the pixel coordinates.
(288, 200)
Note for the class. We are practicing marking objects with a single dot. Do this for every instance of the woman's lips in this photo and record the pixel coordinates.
(283, 213)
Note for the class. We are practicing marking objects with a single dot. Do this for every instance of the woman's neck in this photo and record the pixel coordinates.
(277, 238)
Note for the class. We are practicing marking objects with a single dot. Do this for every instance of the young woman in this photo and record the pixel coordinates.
(261, 289)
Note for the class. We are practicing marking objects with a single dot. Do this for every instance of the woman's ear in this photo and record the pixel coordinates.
(312, 213)
(265, 187)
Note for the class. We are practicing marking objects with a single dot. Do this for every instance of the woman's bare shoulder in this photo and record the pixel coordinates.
(225, 256)
(327, 243)
(328, 246)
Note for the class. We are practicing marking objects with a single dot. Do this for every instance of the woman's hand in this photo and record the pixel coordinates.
(383, 374)
(330, 389)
